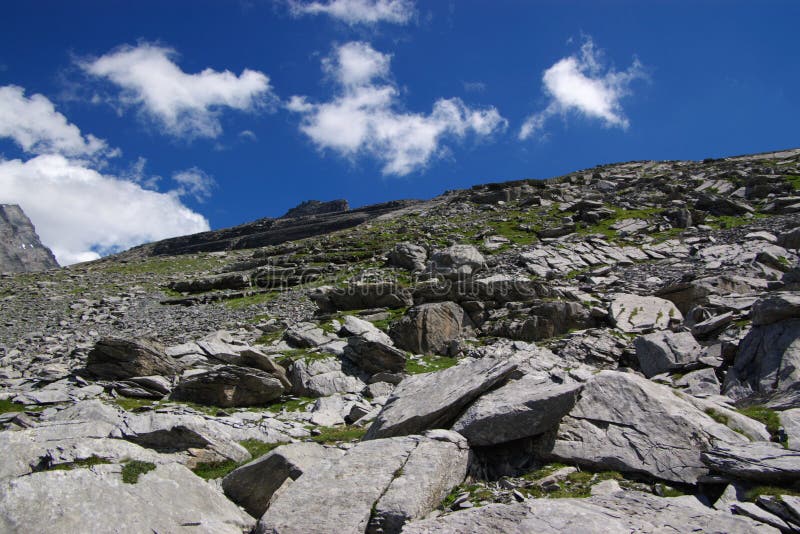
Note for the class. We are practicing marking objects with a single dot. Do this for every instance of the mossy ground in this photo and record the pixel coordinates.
(132, 470)
(213, 470)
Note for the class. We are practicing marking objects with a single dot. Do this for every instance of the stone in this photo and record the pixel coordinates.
(621, 511)
(252, 485)
(372, 355)
(790, 239)
(763, 462)
(116, 358)
(434, 467)
(457, 262)
(320, 377)
(353, 326)
(435, 400)
(767, 362)
(211, 283)
(702, 382)
(775, 307)
(666, 351)
(522, 408)
(634, 313)
(360, 296)
(229, 386)
(627, 423)
(306, 335)
(167, 499)
(408, 256)
(430, 328)
(790, 421)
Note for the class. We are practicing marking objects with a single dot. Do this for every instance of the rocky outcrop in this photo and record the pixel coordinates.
(408, 256)
(434, 400)
(430, 328)
(20, 247)
(457, 262)
(628, 423)
(758, 461)
(316, 207)
(115, 358)
(661, 352)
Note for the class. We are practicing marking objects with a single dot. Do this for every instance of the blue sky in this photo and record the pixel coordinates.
(125, 122)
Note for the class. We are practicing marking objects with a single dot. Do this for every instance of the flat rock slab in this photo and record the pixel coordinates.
(661, 352)
(521, 408)
(253, 485)
(618, 512)
(370, 478)
(628, 423)
(759, 461)
(434, 400)
(634, 313)
(169, 499)
(116, 358)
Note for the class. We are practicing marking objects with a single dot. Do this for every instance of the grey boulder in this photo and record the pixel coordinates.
(408, 256)
(760, 461)
(229, 386)
(521, 408)
(116, 358)
(371, 354)
(666, 351)
(435, 400)
(634, 313)
(429, 328)
(457, 262)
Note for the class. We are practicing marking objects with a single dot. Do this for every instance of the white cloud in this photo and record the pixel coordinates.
(357, 11)
(34, 124)
(363, 118)
(580, 83)
(194, 182)
(81, 214)
(186, 105)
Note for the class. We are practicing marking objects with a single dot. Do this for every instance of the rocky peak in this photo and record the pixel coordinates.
(20, 248)
(317, 207)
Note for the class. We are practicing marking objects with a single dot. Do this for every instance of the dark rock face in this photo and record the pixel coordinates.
(316, 207)
(115, 358)
(20, 248)
(229, 386)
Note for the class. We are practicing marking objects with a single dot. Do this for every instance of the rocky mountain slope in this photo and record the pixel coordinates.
(615, 350)
(20, 248)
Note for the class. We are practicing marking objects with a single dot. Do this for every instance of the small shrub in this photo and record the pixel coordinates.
(132, 470)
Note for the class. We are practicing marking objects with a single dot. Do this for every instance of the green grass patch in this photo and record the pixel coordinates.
(477, 493)
(392, 316)
(575, 485)
(132, 470)
(429, 364)
(257, 299)
(83, 463)
(290, 404)
(338, 434)
(770, 491)
(604, 227)
(717, 416)
(732, 221)
(6, 405)
(767, 416)
(130, 404)
(794, 181)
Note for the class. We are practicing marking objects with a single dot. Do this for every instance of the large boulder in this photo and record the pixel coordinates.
(625, 422)
(116, 358)
(370, 353)
(790, 421)
(211, 283)
(760, 461)
(306, 335)
(635, 313)
(699, 292)
(320, 377)
(253, 485)
(360, 296)
(666, 351)
(775, 307)
(629, 511)
(167, 499)
(353, 326)
(408, 256)
(767, 363)
(434, 400)
(429, 328)
(392, 480)
(522, 408)
(457, 262)
(229, 386)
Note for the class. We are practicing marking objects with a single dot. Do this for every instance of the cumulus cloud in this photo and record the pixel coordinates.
(34, 124)
(185, 105)
(82, 214)
(364, 118)
(582, 84)
(194, 182)
(354, 12)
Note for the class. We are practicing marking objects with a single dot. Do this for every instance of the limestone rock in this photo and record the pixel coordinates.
(372, 355)
(229, 386)
(168, 499)
(634, 313)
(20, 247)
(434, 400)
(429, 328)
(457, 262)
(117, 358)
(776, 307)
(408, 256)
(662, 352)
(790, 421)
(762, 461)
(628, 423)
(521, 408)
(253, 485)
(320, 377)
